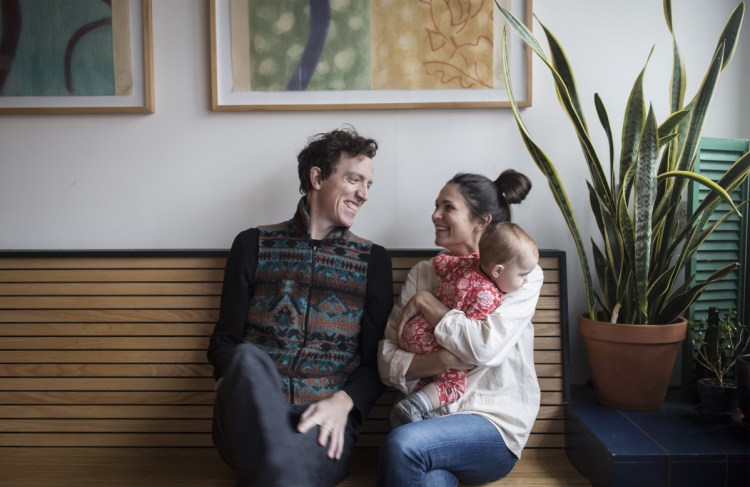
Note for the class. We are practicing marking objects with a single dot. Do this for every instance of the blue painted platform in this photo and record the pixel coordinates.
(674, 446)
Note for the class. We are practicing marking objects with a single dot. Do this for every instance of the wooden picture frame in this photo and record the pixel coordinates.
(226, 70)
(131, 71)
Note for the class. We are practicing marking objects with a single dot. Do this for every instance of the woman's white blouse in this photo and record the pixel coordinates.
(503, 386)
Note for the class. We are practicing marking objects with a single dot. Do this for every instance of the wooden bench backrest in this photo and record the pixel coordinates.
(108, 349)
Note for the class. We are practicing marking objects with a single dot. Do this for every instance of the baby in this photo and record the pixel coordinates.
(474, 284)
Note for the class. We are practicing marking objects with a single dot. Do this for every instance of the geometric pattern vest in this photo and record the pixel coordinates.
(307, 305)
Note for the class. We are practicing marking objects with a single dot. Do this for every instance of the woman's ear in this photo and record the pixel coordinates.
(485, 222)
(315, 178)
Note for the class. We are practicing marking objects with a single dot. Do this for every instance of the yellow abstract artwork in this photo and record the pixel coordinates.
(432, 44)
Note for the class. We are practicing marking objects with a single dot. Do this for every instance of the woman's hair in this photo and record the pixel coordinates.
(485, 197)
(324, 151)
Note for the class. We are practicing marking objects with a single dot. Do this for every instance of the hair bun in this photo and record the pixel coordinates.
(512, 186)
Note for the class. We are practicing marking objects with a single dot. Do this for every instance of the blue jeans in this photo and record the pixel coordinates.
(444, 451)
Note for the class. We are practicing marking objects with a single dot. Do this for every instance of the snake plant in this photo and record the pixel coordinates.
(644, 242)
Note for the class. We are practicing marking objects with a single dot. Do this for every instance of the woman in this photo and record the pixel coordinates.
(501, 400)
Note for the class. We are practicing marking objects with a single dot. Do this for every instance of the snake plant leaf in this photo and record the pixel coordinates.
(679, 302)
(671, 123)
(699, 111)
(731, 33)
(666, 139)
(632, 126)
(699, 178)
(526, 36)
(733, 177)
(678, 82)
(693, 246)
(612, 240)
(688, 141)
(561, 64)
(566, 100)
(553, 180)
(645, 199)
(607, 280)
(668, 13)
(601, 111)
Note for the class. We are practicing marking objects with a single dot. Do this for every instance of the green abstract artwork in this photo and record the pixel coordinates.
(56, 48)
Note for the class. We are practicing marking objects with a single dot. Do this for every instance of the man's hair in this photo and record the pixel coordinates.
(503, 243)
(324, 151)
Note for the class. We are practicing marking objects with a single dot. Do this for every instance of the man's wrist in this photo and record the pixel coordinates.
(345, 398)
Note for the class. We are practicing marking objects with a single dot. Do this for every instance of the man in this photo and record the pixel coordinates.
(303, 307)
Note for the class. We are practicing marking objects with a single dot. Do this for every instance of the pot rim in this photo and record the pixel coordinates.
(638, 334)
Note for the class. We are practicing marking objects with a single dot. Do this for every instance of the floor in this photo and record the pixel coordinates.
(674, 446)
(84, 467)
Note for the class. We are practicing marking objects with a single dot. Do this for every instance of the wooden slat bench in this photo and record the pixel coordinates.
(104, 379)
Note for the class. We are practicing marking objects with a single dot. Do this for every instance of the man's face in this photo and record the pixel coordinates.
(339, 197)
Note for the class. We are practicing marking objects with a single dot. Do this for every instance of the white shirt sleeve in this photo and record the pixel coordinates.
(486, 343)
(393, 362)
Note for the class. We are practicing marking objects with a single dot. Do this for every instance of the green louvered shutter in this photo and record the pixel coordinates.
(727, 244)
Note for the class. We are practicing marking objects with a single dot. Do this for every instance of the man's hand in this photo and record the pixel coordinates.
(331, 416)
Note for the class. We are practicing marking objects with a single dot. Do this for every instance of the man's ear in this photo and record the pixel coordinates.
(315, 177)
(497, 269)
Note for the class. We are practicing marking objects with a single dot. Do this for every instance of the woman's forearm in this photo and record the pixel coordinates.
(434, 363)
(426, 304)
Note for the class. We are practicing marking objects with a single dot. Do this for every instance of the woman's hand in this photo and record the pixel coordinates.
(425, 303)
(330, 415)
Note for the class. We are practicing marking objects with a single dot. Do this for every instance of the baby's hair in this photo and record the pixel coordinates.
(503, 243)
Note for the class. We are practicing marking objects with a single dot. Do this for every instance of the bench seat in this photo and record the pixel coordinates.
(103, 372)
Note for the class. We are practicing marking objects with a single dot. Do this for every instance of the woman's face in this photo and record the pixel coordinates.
(455, 229)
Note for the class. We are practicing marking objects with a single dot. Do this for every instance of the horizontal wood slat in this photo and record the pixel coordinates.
(155, 356)
(111, 289)
(110, 351)
(170, 411)
(112, 275)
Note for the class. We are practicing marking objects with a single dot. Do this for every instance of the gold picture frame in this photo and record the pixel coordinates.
(229, 28)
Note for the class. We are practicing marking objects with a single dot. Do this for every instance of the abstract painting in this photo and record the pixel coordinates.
(65, 55)
(339, 54)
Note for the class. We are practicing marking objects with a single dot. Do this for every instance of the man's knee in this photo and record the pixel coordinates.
(247, 356)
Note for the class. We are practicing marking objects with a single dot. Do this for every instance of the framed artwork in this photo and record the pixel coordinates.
(364, 54)
(76, 56)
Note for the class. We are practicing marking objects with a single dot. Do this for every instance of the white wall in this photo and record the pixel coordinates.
(186, 177)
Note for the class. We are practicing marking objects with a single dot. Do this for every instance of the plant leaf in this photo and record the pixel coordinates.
(677, 304)
(632, 125)
(731, 33)
(699, 178)
(645, 198)
(733, 177)
(601, 111)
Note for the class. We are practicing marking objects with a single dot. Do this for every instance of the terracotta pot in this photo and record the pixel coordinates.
(631, 364)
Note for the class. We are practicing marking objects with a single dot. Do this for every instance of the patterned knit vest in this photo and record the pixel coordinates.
(307, 306)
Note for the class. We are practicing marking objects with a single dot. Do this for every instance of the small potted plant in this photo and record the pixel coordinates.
(716, 345)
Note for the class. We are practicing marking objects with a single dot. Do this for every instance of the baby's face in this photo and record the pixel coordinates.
(511, 276)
